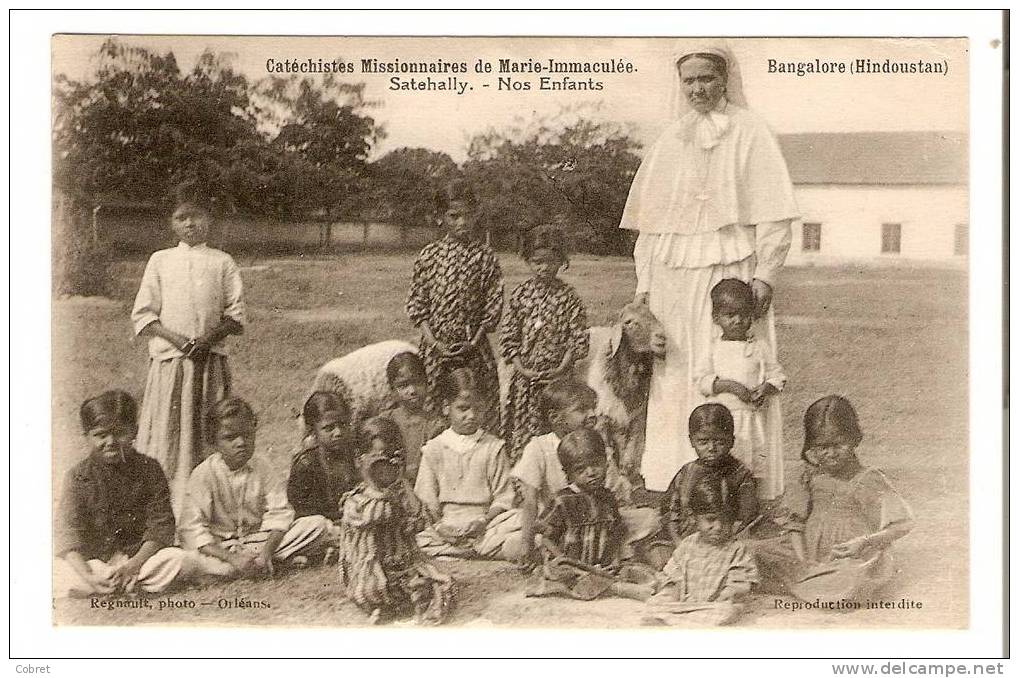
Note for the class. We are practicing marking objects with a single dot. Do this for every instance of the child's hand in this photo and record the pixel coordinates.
(244, 563)
(264, 564)
(741, 392)
(476, 527)
(124, 574)
(102, 583)
(200, 349)
(853, 548)
(760, 394)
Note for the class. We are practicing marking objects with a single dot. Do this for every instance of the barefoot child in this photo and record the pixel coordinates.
(383, 570)
(321, 474)
(566, 405)
(464, 480)
(456, 299)
(582, 533)
(116, 528)
(742, 374)
(843, 548)
(544, 332)
(189, 301)
(406, 375)
(709, 575)
(237, 522)
(711, 436)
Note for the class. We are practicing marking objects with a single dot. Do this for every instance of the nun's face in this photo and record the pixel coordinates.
(703, 83)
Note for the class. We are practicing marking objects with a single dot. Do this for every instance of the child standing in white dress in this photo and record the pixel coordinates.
(744, 375)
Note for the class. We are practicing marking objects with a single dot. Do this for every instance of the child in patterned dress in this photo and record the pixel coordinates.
(544, 332)
(741, 373)
(406, 376)
(382, 568)
(710, 573)
(582, 533)
(456, 299)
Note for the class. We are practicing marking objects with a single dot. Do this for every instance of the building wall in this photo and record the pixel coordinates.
(851, 219)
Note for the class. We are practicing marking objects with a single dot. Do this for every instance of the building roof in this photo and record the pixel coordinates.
(877, 157)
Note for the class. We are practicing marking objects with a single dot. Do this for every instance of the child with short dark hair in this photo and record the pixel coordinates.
(383, 570)
(406, 376)
(742, 373)
(189, 301)
(544, 332)
(320, 475)
(116, 528)
(710, 574)
(582, 532)
(566, 405)
(236, 516)
(456, 299)
(711, 436)
(464, 480)
(839, 544)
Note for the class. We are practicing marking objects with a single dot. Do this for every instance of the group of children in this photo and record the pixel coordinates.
(447, 472)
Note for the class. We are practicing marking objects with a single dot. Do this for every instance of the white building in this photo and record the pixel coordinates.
(879, 197)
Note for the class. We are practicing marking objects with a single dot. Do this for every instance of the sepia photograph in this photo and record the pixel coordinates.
(647, 337)
(543, 332)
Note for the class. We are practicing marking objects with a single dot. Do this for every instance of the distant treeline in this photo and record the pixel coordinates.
(291, 148)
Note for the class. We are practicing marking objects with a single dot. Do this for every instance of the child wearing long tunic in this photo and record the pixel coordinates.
(544, 332)
(464, 481)
(741, 373)
(842, 550)
(456, 299)
(711, 436)
(383, 570)
(190, 300)
(116, 529)
(710, 574)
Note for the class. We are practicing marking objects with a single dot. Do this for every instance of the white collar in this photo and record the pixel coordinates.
(186, 247)
(706, 129)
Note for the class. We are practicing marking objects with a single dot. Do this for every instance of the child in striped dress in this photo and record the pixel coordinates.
(582, 532)
(710, 573)
(383, 570)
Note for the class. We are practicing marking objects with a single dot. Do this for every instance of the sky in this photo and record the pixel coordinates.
(445, 121)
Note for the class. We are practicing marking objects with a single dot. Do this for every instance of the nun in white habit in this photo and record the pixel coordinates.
(712, 200)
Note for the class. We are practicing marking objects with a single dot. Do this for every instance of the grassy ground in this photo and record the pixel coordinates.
(894, 341)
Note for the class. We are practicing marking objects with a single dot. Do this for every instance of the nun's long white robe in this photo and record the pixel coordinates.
(711, 200)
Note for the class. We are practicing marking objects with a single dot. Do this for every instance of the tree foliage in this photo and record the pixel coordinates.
(405, 182)
(567, 168)
(284, 147)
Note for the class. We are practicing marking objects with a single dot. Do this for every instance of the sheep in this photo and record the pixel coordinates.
(360, 377)
(618, 368)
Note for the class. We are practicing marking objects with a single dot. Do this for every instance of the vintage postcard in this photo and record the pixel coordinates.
(585, 332)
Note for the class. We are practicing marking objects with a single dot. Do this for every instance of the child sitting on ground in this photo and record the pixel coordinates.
(116, 530)
(322, 473)
(567, 405)
(464, 480)
(406, 375)
(236, 515)
(742, 374)
(709, 574)
(383, 570)
(842, 549)
(582, 532)
(711, 436)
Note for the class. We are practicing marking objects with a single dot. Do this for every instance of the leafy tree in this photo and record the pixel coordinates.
(405, 182)
(566, 168)
(141, 125)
